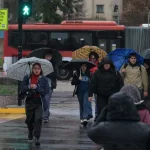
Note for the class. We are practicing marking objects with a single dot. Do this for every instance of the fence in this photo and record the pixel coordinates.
(137, 38)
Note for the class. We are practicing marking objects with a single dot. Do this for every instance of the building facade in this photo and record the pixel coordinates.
(103, 9)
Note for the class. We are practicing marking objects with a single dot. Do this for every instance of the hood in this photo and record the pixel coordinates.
(133, 92)
(106, 61)
(121, 107)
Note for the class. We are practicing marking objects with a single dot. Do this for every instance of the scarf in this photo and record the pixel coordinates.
(34, 80)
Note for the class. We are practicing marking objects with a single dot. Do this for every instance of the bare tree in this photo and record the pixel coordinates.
(12, 6)
(135, 12)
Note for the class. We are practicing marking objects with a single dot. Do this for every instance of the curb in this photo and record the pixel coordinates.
(12, 110)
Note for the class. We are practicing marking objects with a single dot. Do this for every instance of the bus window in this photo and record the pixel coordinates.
(58, 40)
(81, 39)
(102, 44)
(13, 38)
(36, 39)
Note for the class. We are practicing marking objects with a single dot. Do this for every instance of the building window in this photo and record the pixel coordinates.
(100, 8)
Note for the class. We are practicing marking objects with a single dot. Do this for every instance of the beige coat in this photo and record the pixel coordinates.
(135, 76)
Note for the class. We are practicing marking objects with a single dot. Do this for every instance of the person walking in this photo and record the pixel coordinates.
(147, 99)
(105, 82)
(52, 80)
(135, 94)
(135, 74)
(93, 57)
(34, 88)
(120, 128)
(81, 81)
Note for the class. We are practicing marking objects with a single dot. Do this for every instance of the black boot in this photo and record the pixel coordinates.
(37, 141)
(30, 135)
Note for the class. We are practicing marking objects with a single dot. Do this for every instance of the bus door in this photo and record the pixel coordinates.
(108, 45)
(109, 40)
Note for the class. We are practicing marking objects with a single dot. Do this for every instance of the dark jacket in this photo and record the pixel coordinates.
(53, 76)
(75, 81)
(119, 126)
(42, 88)
(104, 82)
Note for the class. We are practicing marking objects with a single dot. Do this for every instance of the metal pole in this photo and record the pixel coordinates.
(118, 15)
(20, 21)
(148, 18)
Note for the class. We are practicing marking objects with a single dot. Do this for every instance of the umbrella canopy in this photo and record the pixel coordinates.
(146, 54)
(39, 53)
(147, 61)
(23, 67)
(120, 57)
(76, 64)
(84, 52)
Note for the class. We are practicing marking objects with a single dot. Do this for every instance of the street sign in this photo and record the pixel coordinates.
(3, 19)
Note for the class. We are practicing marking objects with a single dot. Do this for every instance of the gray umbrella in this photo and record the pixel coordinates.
(23, 67)
(146, 54)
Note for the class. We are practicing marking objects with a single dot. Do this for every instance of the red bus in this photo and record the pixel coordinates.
(66, 37)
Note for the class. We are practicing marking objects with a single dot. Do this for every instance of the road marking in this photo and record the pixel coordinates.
(6, 118)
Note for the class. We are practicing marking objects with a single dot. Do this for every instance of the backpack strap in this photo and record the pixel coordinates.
(140, 68)
(125, 66)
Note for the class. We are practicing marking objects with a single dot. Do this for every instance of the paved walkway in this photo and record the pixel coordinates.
(62, 133)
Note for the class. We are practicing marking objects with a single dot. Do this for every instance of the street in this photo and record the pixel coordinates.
(62, 133)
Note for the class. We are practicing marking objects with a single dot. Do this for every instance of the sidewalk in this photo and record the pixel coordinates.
(12, 108)
(62, 133)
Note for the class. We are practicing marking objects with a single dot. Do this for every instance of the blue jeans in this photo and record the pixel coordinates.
(48, 97)
(90, 109)
(83, 104)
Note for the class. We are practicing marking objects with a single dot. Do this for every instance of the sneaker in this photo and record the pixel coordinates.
(30, 136)
(85, 121)
(45, 120)
(37, 141)
(81, 121)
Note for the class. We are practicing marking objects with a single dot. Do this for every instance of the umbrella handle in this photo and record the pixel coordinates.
(80, 73)
(29, 67)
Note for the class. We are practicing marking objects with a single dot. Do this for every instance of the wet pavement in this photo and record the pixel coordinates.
(63, 132)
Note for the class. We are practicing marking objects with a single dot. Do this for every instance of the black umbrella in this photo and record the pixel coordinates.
(40, 53)
(76, 64)
(147, 61)
(146, 54)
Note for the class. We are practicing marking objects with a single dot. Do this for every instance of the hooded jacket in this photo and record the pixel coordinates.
(135, 94)
(105, 82)
(120, 128)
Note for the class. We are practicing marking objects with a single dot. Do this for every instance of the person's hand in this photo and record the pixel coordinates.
(80, 78)
(90, 99)
(33, 86)
(123, 70)
(145, 94)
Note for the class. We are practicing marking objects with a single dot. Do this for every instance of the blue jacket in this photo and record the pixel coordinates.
(42, 88)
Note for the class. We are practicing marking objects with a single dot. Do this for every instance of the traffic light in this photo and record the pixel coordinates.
(116, 8)
(26, 8)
